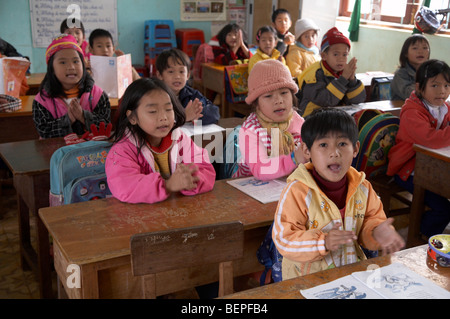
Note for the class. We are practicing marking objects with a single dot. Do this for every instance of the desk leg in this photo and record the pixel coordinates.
(28, 259)
(44, 259)
(89, 282)
(415, 217)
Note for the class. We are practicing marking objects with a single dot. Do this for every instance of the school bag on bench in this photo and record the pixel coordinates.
(377, 131)
(77, 173)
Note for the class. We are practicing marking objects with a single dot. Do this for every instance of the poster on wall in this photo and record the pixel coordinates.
(203, 10)
(47, 16)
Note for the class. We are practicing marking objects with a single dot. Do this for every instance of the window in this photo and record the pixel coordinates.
(396, 11)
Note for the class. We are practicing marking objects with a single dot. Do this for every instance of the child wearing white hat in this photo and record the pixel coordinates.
(305, 51)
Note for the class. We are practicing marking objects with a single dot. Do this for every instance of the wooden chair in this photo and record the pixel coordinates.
(161, 251)
(387, 188)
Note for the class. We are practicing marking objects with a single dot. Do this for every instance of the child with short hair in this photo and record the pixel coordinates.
(68, 100)
(78, 32)
(269, 138)
(328, 209)
(231, 45)
(173, 67)
(304, 52)
(415, 51)
(282, 22)
(424, 120)
(266, 38)
(332, 81)
(101, 43)
(151, 157)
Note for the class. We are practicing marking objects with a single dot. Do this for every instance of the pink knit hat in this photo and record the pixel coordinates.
(266, 76)
(63, 41)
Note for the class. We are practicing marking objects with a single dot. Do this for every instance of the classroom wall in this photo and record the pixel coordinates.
(378, 49)
(131, 14)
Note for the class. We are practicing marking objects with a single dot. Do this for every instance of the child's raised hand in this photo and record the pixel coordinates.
(289, 38)
(336, 238)
(299, 156)
(387, 237)
(193, 110)
(75, 110)
(184, 178)
(349, 71)
(119, 52)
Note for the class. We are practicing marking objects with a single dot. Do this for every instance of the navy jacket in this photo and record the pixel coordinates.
(210, 111)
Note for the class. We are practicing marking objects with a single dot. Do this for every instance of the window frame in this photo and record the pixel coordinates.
(397, 22)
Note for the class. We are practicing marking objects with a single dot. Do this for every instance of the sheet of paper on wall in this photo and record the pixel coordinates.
(12, 72)
(395, 281)
(263, 191)
(112, 74)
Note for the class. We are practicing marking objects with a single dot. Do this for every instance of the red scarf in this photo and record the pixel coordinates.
(336, 75)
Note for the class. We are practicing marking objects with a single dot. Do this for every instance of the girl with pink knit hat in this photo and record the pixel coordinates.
(68, 100)
(270, 136)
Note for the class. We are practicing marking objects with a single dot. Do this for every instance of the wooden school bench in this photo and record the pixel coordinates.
(415, 259)
(29, 162)
(94, 238)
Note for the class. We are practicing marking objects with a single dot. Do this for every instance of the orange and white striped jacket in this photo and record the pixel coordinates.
(305, 215)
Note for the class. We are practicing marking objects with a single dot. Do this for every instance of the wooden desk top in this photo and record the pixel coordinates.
(27, 107)
(441, 153)
(30, 157)
(100, 230)
(34, 80)
(414, 258)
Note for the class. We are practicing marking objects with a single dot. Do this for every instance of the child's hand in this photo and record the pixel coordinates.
(193, 110)
(289, 38)
(349, 71)
(75, 110)
(387, 237)
(336, 238)
(183, 178)
(119, 52)
(299, 156)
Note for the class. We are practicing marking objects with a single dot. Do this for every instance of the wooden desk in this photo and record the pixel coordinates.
(393, 107)
(19, 125)
(29, 162)
(432, 172)
(96, 236)
(34, 81)
(213, 78)
(414, 258)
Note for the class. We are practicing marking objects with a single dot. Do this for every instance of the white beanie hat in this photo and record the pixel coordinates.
(303, 25)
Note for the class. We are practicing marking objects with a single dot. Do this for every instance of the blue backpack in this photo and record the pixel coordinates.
(269, 256)
(231, 154)
(77, 173)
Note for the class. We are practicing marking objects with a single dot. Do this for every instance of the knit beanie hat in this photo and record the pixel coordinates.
(266, 76)
(333, 36)
(63, 41)
(303, 25)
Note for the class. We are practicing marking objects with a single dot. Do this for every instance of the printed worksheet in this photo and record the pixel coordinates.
(193, 129)
(263, 191)
(395, 281)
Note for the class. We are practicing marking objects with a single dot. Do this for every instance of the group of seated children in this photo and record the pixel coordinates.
(328, 210)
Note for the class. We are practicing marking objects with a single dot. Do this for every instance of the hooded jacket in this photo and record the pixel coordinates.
(305, 215)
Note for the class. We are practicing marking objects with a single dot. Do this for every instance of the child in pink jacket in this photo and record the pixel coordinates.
(269, 138)
(151, 157)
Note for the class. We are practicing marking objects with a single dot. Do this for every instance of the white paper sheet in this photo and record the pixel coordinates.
(263, 191)
(395, 281)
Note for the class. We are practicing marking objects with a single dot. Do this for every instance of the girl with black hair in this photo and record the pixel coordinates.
(68, 100)
(151, 157)
(231, 45)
